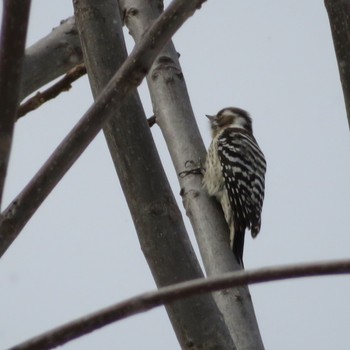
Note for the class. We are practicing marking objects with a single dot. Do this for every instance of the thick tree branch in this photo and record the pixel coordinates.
(12, 42)
(53, 91)
(147, 301)
(339, 18)
(127, 78)
(157, 219)
(50, 57)
(174, 113)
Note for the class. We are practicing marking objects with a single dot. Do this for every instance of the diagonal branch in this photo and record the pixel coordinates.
(50, 57)
(156, 216)
(339, 19)
(147, 301)
(12, 42)
(127, 78)
(53, 91)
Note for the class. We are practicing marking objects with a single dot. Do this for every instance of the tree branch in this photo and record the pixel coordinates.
(50, 57)
(147, 301)
(158, 222)
(127, 78)
(339, 18)
(175, 116)
(53, 91)
(12, 42)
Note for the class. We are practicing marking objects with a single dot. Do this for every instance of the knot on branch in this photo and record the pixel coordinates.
(192, 168)
(9, 213)
(132, 11)
(165, 67)
(160, 6)
(128, 13)
(70, 21)
(163, 208)
(189, 194)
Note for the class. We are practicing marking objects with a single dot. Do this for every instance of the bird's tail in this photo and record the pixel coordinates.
(237, 243)
(236, 234)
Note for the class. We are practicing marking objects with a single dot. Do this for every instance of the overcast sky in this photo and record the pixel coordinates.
(80, 251)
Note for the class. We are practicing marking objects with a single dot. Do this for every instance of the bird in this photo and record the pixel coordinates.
(234, 174)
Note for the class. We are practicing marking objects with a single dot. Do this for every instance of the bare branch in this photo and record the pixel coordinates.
(339, 18)
(152, 120)
(51, 57)
(158, 221)
(174, 113)
(53, 91)
(147, 301)
(127, 78)
(12, 42)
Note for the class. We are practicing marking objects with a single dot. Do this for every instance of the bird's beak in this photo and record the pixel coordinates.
(210, 117)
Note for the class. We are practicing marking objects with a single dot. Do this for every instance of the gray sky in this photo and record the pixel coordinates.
(80, 252)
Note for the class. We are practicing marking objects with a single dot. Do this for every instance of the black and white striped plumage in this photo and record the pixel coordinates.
(235, 174)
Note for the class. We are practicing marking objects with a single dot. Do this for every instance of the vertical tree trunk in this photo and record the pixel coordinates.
(175, 117)
(13, 38)
(197, 321)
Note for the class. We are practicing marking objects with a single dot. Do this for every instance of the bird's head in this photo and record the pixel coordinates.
(230, 117)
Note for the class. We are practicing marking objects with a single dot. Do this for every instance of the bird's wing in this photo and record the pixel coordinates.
(243, 166)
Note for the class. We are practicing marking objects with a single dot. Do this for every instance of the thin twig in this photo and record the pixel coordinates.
(127, 78)
(51, 57)
(53, 91)
(147, 301)
(13, 37)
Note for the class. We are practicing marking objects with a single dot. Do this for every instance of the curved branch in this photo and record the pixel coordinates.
(147, 301)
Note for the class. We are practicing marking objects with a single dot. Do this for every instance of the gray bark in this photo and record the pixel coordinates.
(12, 42)
(339, 18)
(125, 80)
(197, 321)
(175, 117)
(50, 57)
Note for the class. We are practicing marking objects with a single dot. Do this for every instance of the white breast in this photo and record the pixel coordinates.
(213, 180)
